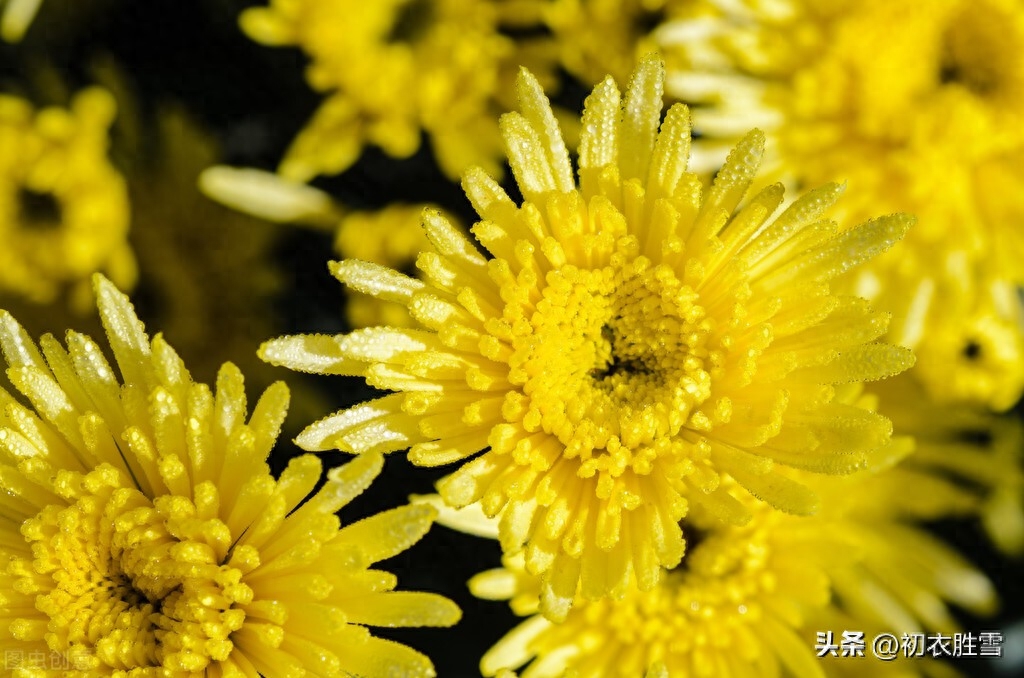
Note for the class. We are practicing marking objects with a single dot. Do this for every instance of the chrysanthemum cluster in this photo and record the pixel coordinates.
(143, 531)
(721, 402)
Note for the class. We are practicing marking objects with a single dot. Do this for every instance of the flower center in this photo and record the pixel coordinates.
(38, 210)
(725, 579)
(654, 341)
(132, 584)
(618, 359)
(977, 50)
(971, 350)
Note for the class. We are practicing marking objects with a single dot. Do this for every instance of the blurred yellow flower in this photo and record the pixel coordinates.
(63, 207)
(145, 533)
(392, 236)
(967, 461)
(596, 38)
(185, 246)
(927, 120)
(392, 69)
(965, 326)
(630, 345)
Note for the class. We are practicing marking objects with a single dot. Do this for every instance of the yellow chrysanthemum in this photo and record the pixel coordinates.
(630, 344)
(144, 533)
(732, 608)
(745, 600)
(63, 206)
(395, 68)
(928, 120)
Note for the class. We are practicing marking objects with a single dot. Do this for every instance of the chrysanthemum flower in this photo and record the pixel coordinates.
(144, 534)
(731, 608)
(394, 68)
(928, 120)
(63, 206)
(629, 344)
(745, 601)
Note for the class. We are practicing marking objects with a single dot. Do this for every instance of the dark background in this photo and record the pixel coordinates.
(255, 99)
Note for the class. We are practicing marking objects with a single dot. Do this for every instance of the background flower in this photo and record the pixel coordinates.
(597, 38)
(394, 68)
(928, 123)
(63, 206)
(967, 461)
